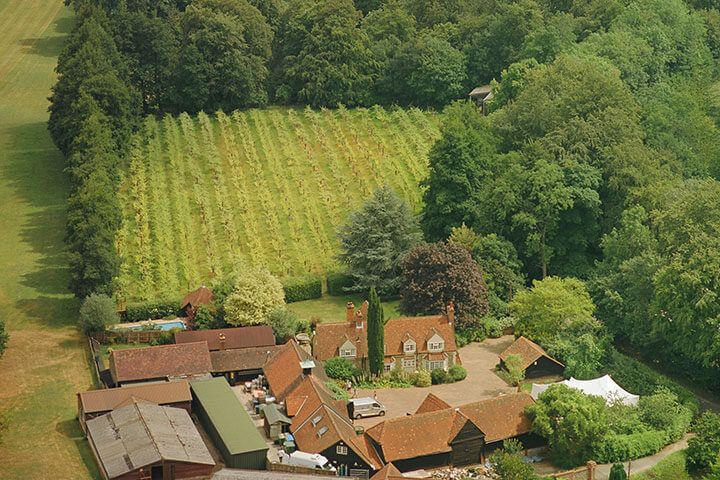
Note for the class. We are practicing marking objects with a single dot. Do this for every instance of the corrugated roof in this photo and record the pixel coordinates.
(201, 296)
(141, 434)
(272, 414)
(106, 399)
(160, 362)
(528, 351)
(238, 337)
(232, 422)
(241, 359)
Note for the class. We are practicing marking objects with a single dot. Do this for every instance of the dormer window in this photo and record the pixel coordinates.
(436, 343)
(348, 350)
(409, 347)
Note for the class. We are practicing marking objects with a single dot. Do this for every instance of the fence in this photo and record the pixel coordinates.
(581, 473)
(128, 336)
(96, 359)
(281, 467)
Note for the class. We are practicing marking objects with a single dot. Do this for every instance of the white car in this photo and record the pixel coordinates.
(304, 459)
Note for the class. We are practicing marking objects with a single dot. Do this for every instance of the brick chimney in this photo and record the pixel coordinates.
(222, 341)
(451, 313)
(359, 320)
(350, 312)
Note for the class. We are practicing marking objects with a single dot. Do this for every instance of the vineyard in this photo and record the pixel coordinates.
(267, 187)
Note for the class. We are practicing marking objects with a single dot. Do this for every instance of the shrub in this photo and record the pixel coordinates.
(340, 368)
(663, 411)
(457, 373)
(257, 293)
(337, 391)
(617, 472)
(510, 466)
(298, 289)
(167, 337)
(206, 318)
(515, 372)
(97, 313)
(338, 283)
(422, 379)
(152, 310)
(439, 376)
(703, 448)
(622, 447)
(284, 324)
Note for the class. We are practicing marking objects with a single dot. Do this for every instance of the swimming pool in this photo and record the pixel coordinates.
(164, 325)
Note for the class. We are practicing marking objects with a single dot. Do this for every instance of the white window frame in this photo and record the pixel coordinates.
(409, 347)
(436, 364)
(409, 363)
(436, 346)
(341, 450)
(388, 367)
(348, 353)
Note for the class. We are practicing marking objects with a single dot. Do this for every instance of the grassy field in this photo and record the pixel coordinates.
(332, 309)
(670, 468)
(259, 187)
(46, 362)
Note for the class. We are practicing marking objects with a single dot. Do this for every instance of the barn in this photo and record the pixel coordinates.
(143, 441)
(535, 361)
(228, 424)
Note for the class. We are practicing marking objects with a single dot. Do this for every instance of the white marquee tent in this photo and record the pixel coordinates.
(604, 387)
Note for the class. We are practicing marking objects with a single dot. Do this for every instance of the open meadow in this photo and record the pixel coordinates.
(45, 363)
(268, 187)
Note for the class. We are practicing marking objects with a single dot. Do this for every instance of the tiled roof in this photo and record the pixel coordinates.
(417, 435)
(201, 296)
(107, 399)
(325, 427)
(238, 337)
(501, 417)
(421, 330)
(241, 359)
(528, 350)
(388, 472)
(306, 398)
(161, 361)
(142, 434)
(283, 370)
(329, 337)
(432, 403)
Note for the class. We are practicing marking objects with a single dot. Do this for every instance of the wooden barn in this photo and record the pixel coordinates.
(94, 403)
(228, 424)
(229, 338)
(535, 361)
(194, 299)
(241, 364)
(142, 441)
(187, 361)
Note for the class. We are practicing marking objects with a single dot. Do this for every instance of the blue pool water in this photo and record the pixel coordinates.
(160, 326)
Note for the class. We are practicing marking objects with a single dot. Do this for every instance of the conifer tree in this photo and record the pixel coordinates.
(375, 333)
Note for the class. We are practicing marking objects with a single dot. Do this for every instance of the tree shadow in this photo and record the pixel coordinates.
(71, 429)
(43, 46)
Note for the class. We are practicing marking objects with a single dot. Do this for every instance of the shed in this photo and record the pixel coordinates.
(481, 96)
(146, 441)
(202, 296)
(228, 424)
(275, 421)
(535, 361)
(241, 364)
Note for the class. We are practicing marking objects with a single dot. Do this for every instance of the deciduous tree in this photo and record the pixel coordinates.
(97, 313)
(257, 293)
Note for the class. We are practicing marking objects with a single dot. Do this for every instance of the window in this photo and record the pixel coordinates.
(437, 365)
(388, 367)
(341, 450)
(345, 353)
(408, 363)
(409, 347)
(322, 431)
(436, 346)
(316, 420)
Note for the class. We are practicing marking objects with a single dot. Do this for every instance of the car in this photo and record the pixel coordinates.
(304, 459)
(365, 407)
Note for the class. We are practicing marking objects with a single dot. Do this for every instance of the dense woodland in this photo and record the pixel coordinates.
(599, 159)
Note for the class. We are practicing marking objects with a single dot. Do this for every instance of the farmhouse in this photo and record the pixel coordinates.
(94, 403)
(161, 363)
(202, 296)
(229, 338)
(473, 430)
(228, 424)
(146, 441)
(535, 361)
(411, 343)
(330, 433)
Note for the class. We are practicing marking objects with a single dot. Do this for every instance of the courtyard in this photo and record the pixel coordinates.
(481, 383)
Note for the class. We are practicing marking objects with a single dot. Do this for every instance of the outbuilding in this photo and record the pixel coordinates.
(228, 424)
(276, 422)
(535, 361)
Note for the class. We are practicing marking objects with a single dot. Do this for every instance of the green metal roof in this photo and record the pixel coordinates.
(273, 414)
(232, 422)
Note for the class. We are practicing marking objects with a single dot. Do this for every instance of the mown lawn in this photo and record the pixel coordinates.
(46, 362)
(332, 309)
(670, 468)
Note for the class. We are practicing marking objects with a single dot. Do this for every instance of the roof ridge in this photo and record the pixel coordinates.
(147, 429)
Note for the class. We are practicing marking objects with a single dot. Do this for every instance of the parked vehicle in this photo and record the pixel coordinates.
(304, 459)
(365, 407)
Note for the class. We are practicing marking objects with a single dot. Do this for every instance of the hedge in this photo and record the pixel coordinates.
(298, 289)
(620, 448)
(338, 283)
(638, 378)
(136, 312)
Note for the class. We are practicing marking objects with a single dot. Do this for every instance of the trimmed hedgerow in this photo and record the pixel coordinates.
(298, 289)
(620, 448)
(338, 283)
(136, 312)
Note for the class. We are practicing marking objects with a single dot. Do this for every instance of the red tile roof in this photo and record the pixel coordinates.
(432, 403)
(307, 397)
(162, 361)
(421, 329)
(201, 296)
(417, 435)
(241, 358)
(239, 337)
(283, 370)
(324, 427)
(501, 417)
(107, 399)
(528, 350)
(388, 472)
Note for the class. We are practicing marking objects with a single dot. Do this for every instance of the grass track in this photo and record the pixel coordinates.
(45, 363)
(267, 187)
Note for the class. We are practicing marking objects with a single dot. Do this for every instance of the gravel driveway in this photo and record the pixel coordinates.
(481, 383)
